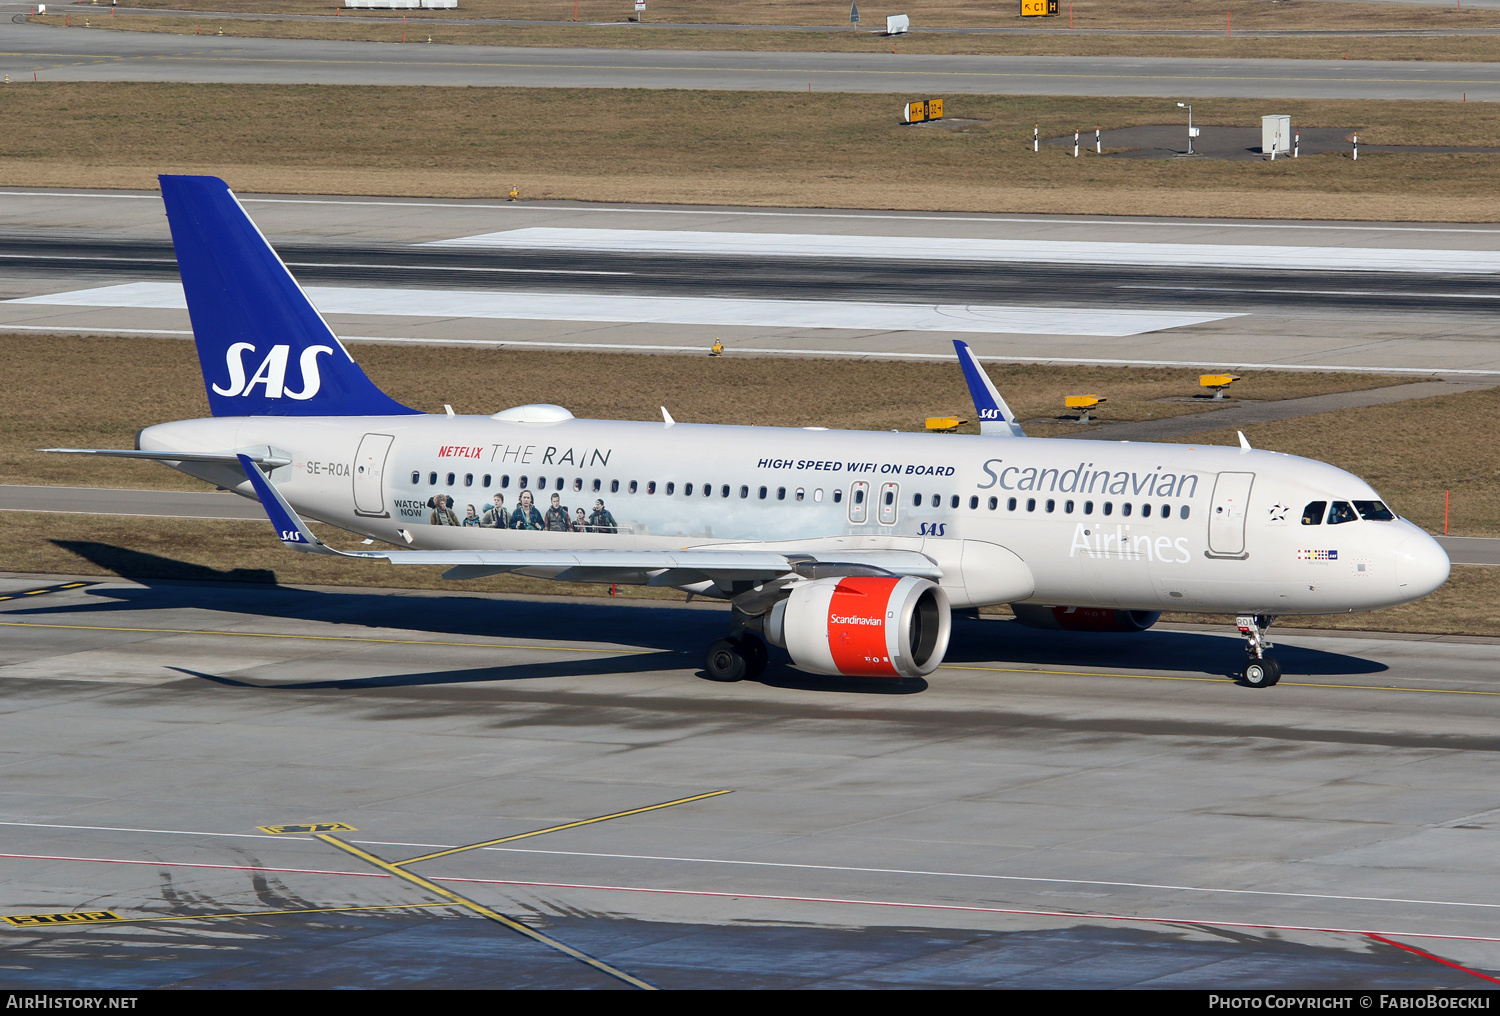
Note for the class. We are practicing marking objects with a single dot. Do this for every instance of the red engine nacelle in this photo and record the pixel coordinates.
(863, 626)
(1084, 618)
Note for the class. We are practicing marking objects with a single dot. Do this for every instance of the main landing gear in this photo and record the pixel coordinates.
(1261, 671)
(736, 658)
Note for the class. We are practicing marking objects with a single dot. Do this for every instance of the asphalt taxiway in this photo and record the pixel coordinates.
(1045, 810)
(74, 54)
(1410, 298)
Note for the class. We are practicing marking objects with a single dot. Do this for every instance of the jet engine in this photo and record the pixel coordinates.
(863, 626)
(1084, 618)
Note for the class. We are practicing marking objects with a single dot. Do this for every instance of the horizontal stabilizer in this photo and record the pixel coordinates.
(995, 417)
(269, 461)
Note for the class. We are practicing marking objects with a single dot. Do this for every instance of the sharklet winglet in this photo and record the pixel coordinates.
(995, 417)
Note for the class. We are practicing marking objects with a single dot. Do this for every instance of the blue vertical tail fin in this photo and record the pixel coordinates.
(264, 348)
(995, 417)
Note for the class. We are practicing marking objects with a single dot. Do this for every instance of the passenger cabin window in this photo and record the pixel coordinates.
(838, 496)
(1051, 505)
(1031, 504)
(745, 492)
(763, 493)
(432, 479)
(1010, 504)
(504, 480)
(468, 479)
(1374, 511)
(521, 482)
(614, 486)
(632, 486)
(937, 500)
(1088, 507)
(1182, 512)
(953, 502)
(416, 478)
(687, 490)
(724, 490)
(598, 484)
(973, 502)
(1312, 515)
(1068, 507)
(817, 494)
(541, 483)
(650, 486)
(994, 503)
(1145, 511)
(578, 484)
(671, 487)
(486, 481)
(1109, 507)
(450, 479)
(800, 493)
(781, 493)
(1340, 512)
(1125, 508)
(916, 500)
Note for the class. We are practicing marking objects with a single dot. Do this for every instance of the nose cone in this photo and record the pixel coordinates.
(1421, 566)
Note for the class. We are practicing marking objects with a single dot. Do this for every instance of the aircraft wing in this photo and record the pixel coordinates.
(995, 417)
(727, 568)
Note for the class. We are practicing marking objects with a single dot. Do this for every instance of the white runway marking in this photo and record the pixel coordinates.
(932, 248)
(677, 310)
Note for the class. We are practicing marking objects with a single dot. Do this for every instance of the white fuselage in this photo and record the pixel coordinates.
(1111, 524)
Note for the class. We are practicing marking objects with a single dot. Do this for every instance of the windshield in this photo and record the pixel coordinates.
(1312, 515)
(1340, 512)
(1374, 511)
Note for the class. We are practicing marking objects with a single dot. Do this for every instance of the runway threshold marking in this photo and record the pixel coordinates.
(319, 638)
(559, 828)
(484, 911)
(1217, 680)
(47, 589)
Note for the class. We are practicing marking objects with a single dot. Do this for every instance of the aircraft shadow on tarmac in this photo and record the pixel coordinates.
(678, 633)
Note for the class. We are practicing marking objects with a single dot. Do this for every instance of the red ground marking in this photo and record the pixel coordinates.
(1431, 956)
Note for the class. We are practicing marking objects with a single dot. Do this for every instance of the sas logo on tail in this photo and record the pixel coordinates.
(991, 414)
(272, 372)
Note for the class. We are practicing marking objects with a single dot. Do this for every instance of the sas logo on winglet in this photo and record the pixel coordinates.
(272, 372)
(991, 414)
(290, 536)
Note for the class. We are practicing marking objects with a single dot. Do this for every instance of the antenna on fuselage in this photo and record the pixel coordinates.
(1244, 442)
(667, 417)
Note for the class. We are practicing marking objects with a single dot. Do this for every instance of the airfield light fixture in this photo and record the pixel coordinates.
(1189, 108)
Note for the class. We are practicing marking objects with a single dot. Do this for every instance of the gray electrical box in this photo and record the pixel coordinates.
(1275, 134)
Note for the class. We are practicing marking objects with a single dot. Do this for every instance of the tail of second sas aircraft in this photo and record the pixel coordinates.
(264, 348)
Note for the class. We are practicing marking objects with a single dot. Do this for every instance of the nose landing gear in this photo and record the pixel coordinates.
(1261, 671)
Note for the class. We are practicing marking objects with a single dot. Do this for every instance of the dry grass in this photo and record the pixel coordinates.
(385, 29)
(1410, 452)
(1148, 15)
(47, 405)
(824, 150)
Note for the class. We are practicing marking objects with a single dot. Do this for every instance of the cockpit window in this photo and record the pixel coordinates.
(1374, 511)
(1312, 515)
(1341, 511)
